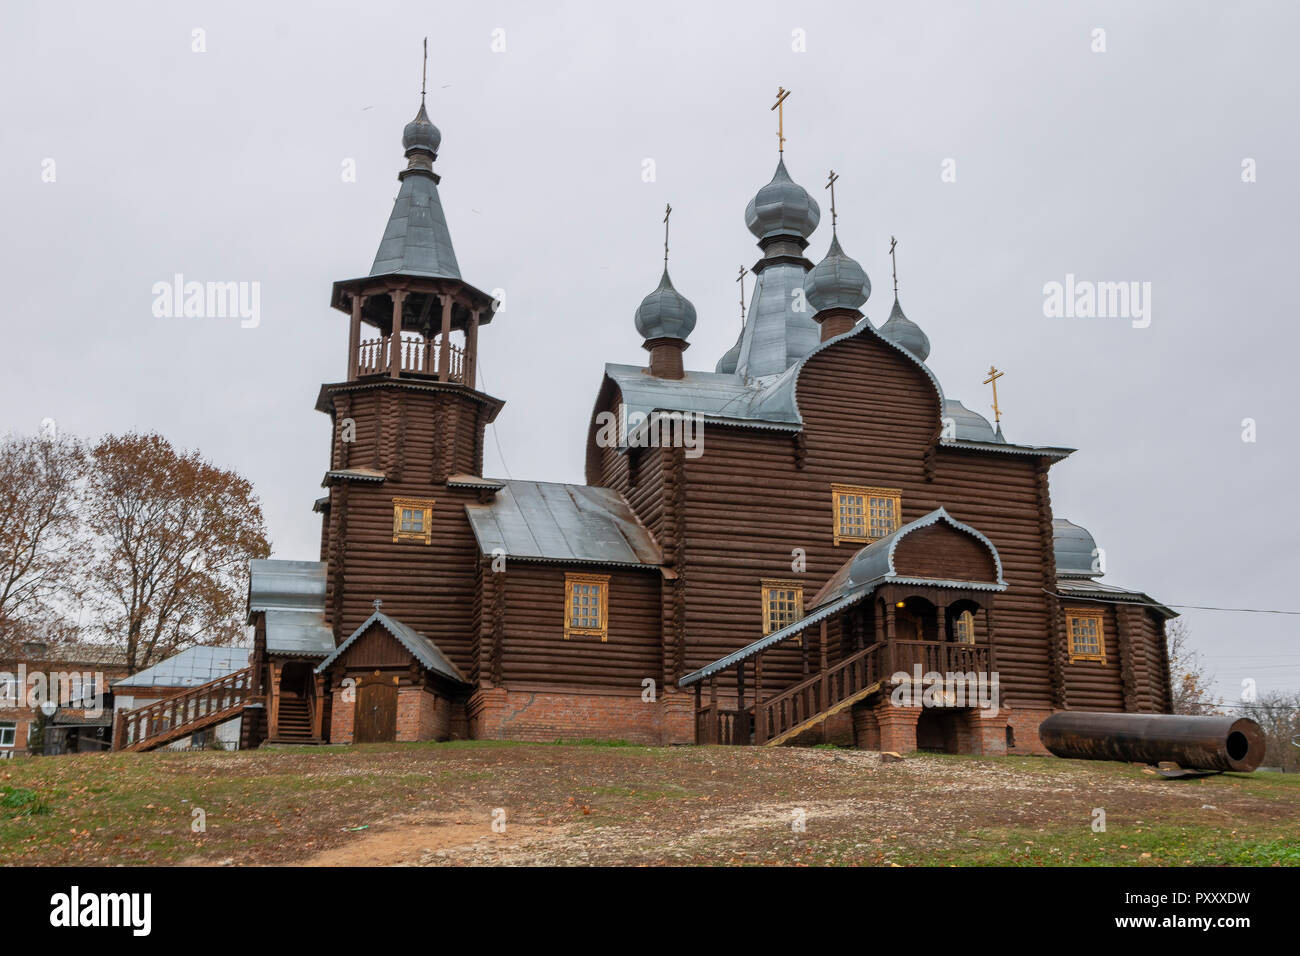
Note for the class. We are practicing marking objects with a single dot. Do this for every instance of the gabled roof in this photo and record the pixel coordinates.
(188, 668)
(568, 524)
(422, 648)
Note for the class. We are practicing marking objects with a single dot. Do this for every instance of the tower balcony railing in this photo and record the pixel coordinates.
(413, 356)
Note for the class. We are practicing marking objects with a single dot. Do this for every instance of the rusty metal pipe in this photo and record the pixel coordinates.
(1194, 743)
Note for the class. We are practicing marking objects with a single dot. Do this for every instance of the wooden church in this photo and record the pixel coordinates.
(817, 536)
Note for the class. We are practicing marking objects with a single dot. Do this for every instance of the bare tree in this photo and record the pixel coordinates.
(41, 546)
(1278, 714)
(173, 537)
(1190, 679)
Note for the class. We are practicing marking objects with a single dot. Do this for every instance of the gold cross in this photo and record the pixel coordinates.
(779, 106)
(892, 244)
(741, 279)
(994, 375)
(830, 184)
(668, 211)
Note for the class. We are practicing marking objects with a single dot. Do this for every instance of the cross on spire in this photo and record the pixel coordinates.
(424, 70)
(779, 106)
(893, 243)
(830, 184)
(741, 279)
(668, 211)
(378, 604)
(994, 375)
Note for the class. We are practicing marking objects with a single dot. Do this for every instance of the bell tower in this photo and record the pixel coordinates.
(408, 421)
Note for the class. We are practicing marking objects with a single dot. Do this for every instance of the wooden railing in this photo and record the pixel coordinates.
(939, 656)
(416, 355)
(180, 715)
(718, 725)
(820, 694)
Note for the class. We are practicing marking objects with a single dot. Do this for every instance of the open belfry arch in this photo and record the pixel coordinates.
(844, 527)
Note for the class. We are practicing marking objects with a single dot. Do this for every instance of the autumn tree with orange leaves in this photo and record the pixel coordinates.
(172, 537)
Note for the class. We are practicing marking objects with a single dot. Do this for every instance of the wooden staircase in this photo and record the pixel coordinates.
(174, 718)
(295, 719)
(801, 707)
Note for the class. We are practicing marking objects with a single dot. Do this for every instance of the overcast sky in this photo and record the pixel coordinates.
(1122, 165)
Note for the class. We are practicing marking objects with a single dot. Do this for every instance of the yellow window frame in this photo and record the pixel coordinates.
(963, 628)
(1098, 618)
(770, 585)
(577, 583)
(841, 506)
(422, 505)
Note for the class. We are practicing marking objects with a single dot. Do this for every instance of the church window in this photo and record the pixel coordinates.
(413, 519)
(586, 603)
(1087, 639)
(865, 514)
(782, 605)
(963, 628)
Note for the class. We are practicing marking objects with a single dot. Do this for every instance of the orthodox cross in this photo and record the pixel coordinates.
(378, 604)
(424, 70)
(831, 186)
(994, 375)
(668, 211)
(741, 279)
(894, 262)
(779, 106)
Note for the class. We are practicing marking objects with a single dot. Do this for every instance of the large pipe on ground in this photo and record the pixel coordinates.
(1194, 743)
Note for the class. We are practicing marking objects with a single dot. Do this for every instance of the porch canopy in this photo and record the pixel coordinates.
(934, 551)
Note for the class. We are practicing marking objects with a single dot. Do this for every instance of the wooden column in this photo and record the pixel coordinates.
(354, 337)
(992, 639)
(318, 723)
(395, 340)
(444, 350)
(713, 710)
(759, 722)
(471, 351)
(889, 636)
(941, 622)
(821, 644)
(273, 714)
(699, 690)
(742, 719)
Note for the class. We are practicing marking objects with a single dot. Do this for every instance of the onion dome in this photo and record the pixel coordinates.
(837, 282)
(420, 133)
(782, 208)
(665, 313)
(1075, 550)
(730, 358)
(969, 425)
(903, 332)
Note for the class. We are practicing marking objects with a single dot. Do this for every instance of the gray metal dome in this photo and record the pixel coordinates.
(665, 313)
(968, 425)
(730, 358)
(902, 331)
(837, 282)
(420, 133)
(782, 208)
(1075, 550)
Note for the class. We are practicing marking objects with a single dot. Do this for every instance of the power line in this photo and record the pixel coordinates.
(1186, 607)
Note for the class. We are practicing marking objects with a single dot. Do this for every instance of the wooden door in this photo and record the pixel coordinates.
(375, 717)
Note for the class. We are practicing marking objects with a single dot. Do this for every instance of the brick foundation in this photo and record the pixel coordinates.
(503, 714)
(422, 715)
(1024, 727)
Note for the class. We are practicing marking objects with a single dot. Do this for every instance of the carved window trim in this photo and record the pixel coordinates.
(1077, 616)
(773, 618)
(425, 508)
(842, 508)
(587, 585)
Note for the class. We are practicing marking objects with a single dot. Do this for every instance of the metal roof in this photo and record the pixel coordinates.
(416, 241)
(422, 648)
(901, 330)
(353, 474)
(189, 668)
(782, 208)
(576, 524)
(1097, 591)
(292, 595)
(665, 313)
(776, 335)
(474, 481)
(874, 564)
